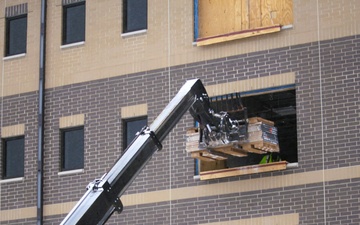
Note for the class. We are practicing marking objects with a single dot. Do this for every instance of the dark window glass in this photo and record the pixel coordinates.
(13, 155)
(131, 127)
(135, 15)
(74, 23)
(16, 29)
(72, 147)
(279, 107)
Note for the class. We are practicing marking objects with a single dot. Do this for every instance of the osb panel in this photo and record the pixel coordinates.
(254, 14)
(218, 17)
(276, 12)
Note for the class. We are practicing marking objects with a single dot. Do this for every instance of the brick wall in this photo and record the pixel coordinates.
(340, 74)
(21, 109)
(335, 75)
(173, 163)
(108, 54)
(305, 200)
(24, 68)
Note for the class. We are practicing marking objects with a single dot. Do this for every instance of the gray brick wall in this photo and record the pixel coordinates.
(342, 202)
(21, 109)
(101, 101)
(307, 200)
(341, 81)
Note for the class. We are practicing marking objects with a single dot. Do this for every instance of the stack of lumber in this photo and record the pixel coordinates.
(192, 140)
(262, 136)
(196, 151)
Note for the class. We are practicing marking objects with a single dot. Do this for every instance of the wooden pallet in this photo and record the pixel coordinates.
(230, 150)
(206, 156)
(253, 120)
(260, 147)
(192, 140)
(222, 152)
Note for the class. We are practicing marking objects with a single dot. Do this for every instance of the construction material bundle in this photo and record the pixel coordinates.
(262, 135)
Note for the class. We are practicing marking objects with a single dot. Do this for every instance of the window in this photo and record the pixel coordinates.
(72, 148)
(131, 127)
(224, 20)
(16, 30)
(277, 107)
(134, 15)
(13, 157)
(73, 23)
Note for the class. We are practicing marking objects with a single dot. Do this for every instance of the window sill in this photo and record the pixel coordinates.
(70, 172)
(12, 180)
(80, 43)
(134, 33)
(243, 170)
(237, 35)
(14, 56)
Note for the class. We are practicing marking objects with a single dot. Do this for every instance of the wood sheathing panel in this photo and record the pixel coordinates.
(220, 17)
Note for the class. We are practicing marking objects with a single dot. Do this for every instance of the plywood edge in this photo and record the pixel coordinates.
(237, 35)
(243, 170)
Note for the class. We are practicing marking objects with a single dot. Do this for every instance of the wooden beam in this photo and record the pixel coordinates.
(253, 120)
(212, 165)
(206, 156)
(243, 170)
(230, 150)
(237, 35)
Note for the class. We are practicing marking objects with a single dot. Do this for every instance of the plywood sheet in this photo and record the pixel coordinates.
(219, 17)
(222, 16)
(254, 14)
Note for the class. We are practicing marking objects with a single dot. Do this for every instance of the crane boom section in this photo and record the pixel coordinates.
(102, 196)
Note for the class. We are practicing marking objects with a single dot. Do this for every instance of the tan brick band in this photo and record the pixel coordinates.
(251, 84)
(203, 191)
(286, 219)
(13, 131)
(134, 111)
(72, 121)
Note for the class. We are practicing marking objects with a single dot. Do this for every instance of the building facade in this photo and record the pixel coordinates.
(110, 63)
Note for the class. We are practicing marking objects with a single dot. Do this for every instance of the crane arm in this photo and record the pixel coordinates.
(101, 199)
